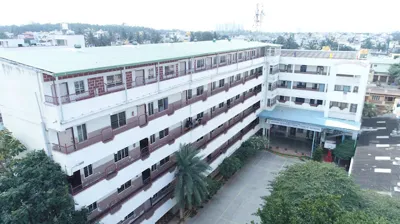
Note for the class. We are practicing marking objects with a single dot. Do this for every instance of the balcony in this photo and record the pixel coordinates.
(139, 81)
(107, 134)
(316, 89)
(113, 202)
(110, 168)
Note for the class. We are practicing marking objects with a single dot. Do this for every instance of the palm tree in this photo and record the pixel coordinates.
(369, 110)
(191, 185)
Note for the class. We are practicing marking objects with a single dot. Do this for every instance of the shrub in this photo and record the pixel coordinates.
(317, 155)
(229, 166)
(213, 186)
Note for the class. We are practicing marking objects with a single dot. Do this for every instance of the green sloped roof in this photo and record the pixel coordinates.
(63, 61)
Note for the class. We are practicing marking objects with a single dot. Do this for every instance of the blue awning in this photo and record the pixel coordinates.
(310, 117)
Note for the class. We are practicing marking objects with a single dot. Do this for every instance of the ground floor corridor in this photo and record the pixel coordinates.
(240, 197)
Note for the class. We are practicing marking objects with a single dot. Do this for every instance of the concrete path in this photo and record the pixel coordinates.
(240, 197)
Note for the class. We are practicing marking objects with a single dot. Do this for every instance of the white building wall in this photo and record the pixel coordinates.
(18, 104)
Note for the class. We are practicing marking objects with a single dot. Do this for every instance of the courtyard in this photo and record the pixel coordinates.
(240, 197)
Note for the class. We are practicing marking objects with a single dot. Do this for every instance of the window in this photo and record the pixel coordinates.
(189, 94)
(240, 56)
(88, 170)
(152, 138)
(132, 214)
(82, 134)
(221, 82)
(303, 68)
(338, 88)
(375, 65)
(237, 97)
(346, 89)
(151, 74)
(200, 115)
(222, 59)
(163, 133)
(154, 167)
(355, 89)
(200, 63)
(118, 120)
(169, 70)
(163, 161)
(214, 60)
(79, 87)
(299, 130)
(199, 139)
(237, 77)
(221, 105)
(121, 154)
(319, 102)
(92, 207)
(200, 90)
(114, 80)
(353, 108)
(231, 79)
(124, 186)
(162, 104)
(376, 98)
(253, 53)
(389, 98)
(150, 108)
(334, 104)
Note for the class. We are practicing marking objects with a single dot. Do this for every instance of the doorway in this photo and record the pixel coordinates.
(144, 147)
(64, 93)
(146, 176)
(66, 140)
(75, 180)
(182, 67)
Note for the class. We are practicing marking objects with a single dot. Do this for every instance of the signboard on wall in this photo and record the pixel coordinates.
(329, 144)
(294, 125)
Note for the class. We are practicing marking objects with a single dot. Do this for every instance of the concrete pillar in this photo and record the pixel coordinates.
(293, 67)
(287, 131)
(343, 136)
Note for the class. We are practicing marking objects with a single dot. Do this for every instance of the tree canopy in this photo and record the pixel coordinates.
(394, 72)
(322, 193)
(345, 150)
(36, 192)
(369, 110)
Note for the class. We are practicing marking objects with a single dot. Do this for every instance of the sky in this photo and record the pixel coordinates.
(280, 15)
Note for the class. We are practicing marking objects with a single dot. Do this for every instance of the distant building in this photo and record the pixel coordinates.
(6, 43)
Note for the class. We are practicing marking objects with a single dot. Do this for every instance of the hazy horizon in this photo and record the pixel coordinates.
(280, 16)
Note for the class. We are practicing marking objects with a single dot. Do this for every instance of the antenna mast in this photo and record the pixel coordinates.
(258, 17)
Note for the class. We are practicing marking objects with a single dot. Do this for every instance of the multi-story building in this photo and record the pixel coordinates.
(113, 117)
(314, 95)
(381, 90)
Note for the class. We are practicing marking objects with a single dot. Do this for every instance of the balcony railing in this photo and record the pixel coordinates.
(113, 202)
(139, 81)
(107, 133)
(311, 72)
(110, 167)
(307, 88)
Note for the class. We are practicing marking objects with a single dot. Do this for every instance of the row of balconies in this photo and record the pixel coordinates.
(107, 134)
(147, 209)
(138, 81)
(110, 167)
(113, 202)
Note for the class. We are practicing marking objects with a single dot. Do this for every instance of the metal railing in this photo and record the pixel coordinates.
(139, 81)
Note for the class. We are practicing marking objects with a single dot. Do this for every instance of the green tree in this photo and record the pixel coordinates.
(191, 184)
(394, 72)
(155, 37)
(175, 39)
(345, 150)
(369, 110)
(3, 35)
(367, 44)
(314, 182)
(229, 166)
(36, 192)
(280, 40)
(312, 45)
(318, 153)
(10, 147)
(90, 39)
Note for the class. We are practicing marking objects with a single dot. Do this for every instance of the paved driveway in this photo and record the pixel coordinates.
(239, 198)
